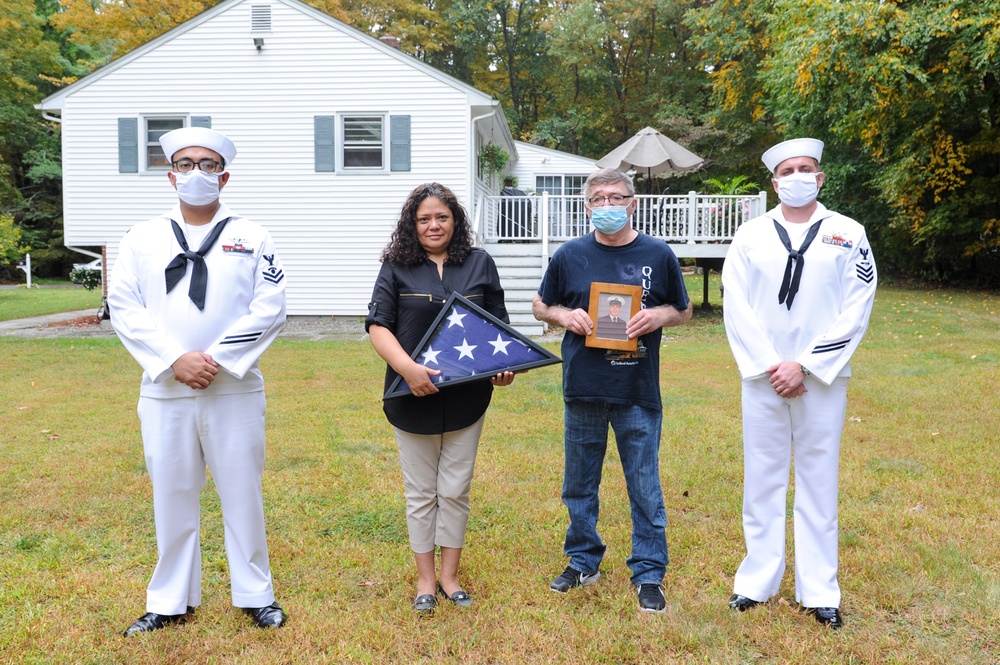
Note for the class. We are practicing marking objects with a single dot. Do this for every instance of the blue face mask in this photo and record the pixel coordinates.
(609, 219)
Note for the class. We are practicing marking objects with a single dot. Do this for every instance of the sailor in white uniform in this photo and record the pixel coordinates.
(196, 296)
(799, 284)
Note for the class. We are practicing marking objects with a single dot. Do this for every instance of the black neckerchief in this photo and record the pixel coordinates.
(790, 282)
(199, 273)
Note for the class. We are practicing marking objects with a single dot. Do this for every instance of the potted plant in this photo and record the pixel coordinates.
(492, 160)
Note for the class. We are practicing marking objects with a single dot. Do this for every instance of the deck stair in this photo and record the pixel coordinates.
(520, 268)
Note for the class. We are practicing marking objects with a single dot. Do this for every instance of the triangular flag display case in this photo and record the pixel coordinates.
(467, 343)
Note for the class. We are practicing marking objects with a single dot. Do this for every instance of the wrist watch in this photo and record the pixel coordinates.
(804, 370)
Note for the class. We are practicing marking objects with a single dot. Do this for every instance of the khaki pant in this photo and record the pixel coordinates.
(437, 474)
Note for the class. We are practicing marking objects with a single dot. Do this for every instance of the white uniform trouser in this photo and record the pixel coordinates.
(773, 428)
(180, 436)
(437, 476)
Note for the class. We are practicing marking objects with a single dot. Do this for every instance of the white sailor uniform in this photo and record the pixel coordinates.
(222, 426)
(821, 331)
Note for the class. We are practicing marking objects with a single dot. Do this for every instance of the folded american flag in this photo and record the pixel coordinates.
(467, 343)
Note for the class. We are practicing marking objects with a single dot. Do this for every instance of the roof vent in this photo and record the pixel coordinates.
(390, 40)
(260, 18)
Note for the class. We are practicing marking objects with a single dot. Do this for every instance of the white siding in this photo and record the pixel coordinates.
(534, 160)
(329, 227)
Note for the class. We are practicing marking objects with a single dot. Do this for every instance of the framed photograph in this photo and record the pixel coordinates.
(611, 307)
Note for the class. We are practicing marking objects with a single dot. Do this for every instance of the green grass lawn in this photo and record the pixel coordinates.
(20, 303)
(919, 521)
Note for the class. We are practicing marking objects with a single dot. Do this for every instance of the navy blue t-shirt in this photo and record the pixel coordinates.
(607, 375)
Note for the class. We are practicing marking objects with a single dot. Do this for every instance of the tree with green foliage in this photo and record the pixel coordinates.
(733, 39)
(418, 26)
(26, 59)
(626, 64)
(34, 61)
(906, 96)
(904, 93)
(11, 248)
(505, 43)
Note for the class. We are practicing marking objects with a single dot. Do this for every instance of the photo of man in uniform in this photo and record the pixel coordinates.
(612, 325)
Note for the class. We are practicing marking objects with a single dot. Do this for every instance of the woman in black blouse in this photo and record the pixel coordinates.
(429, 256)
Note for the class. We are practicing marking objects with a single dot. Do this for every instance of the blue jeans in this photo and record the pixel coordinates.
(637, 431)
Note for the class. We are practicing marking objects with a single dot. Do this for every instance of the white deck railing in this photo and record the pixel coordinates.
(694, 218)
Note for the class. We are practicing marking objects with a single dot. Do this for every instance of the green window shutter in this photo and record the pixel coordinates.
(128, 145)
(201, 121)
(399, 143)
(323, 137)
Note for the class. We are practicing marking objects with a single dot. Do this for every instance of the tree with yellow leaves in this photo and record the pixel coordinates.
(124, 26)
(907, 96)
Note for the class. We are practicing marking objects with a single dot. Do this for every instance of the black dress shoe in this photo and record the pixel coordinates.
(460, 597)
(742, 603)
(827, 616)
(153, 621)
(425, 604)
(271, 616)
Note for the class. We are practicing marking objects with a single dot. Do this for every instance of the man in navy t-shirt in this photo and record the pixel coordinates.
(603, 387)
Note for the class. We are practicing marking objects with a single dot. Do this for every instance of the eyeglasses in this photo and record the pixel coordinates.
(614, 199)
(205, 165)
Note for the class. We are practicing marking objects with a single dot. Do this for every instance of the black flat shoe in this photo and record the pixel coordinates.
(742, 603)
(460, 597)
(153, 621)
(425, 604)
(271, 616)
(827, 616)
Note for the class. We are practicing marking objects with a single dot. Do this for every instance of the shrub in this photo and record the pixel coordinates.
(88, 277)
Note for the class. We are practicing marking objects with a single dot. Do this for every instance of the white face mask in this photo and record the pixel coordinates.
(798, 189)
(197, 188)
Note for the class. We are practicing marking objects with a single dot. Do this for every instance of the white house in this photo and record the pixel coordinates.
(333, 129)
(540, 170)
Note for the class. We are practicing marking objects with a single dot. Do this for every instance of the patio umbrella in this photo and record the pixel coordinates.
(650, 153)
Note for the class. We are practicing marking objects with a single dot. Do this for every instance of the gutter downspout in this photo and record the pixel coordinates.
(472, 167)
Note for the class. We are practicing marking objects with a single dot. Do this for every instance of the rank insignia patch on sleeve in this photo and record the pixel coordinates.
(272, 273)
(866, 272)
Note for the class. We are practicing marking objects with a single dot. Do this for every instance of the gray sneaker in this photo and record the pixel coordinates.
(571, 577)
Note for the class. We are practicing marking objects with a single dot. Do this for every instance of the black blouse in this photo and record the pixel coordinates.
(406, 300)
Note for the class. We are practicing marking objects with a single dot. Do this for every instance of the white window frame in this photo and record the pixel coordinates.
(146, 143)
(342, 145)
(567, 207)
(563, 185)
